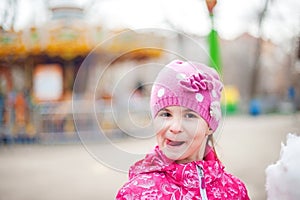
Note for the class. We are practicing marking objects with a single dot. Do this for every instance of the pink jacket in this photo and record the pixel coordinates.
(157, 177)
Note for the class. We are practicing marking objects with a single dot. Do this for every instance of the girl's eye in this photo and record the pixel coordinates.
(190, 115)
(164, 114)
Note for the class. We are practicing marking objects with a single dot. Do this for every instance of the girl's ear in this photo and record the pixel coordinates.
(209, 132)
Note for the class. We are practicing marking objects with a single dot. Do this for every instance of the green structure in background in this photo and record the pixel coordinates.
(214, 51)
(213, 40)
(231, 93)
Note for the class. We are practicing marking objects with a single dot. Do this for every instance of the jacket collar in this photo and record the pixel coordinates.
(182, 174)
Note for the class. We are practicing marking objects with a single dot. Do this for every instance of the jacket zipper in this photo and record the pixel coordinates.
(201, 183)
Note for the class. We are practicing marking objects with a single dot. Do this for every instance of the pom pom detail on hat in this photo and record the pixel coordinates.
(191, 85)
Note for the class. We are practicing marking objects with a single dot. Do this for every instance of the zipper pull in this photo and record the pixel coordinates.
(201, 174)
(202, 183)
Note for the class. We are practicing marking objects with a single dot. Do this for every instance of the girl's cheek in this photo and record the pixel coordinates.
(158, 125)
(192, 125)
(194, 128)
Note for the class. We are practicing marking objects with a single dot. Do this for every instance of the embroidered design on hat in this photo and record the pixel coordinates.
(214, 93)
(161, 92)
(199, 97)
(215, 110)
(197, 82)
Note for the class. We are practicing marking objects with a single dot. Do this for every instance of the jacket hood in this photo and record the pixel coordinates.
(181, 174)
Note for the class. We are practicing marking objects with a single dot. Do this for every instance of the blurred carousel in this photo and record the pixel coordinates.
(38, 67)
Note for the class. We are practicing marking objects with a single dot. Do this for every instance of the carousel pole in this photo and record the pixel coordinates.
(213, 40)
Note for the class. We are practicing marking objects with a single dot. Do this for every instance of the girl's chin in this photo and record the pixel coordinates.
(174, 153)
(172, 156)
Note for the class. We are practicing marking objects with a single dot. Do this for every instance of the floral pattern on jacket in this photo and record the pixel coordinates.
(157, 177)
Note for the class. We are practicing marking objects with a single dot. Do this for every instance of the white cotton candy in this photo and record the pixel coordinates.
(283, 177)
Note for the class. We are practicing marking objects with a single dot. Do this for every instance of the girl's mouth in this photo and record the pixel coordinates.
(174, 143)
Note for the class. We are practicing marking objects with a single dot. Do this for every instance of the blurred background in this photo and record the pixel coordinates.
(44, 45)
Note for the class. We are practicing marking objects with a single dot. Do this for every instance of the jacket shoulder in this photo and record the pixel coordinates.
(142, 185)
(236, 189)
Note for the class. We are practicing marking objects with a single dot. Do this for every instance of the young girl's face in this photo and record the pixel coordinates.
(181, 133)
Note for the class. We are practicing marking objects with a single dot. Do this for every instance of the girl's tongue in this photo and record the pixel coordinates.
(174, 143)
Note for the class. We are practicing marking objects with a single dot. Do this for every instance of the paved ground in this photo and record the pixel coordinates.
(246, 146)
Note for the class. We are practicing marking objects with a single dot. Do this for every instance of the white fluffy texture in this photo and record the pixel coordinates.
(283, 177)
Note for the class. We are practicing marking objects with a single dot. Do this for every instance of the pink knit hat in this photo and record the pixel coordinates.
(191, 85)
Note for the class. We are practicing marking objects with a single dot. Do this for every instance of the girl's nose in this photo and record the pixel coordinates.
(176, 125)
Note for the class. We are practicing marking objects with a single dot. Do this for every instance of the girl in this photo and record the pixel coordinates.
(185, 105)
